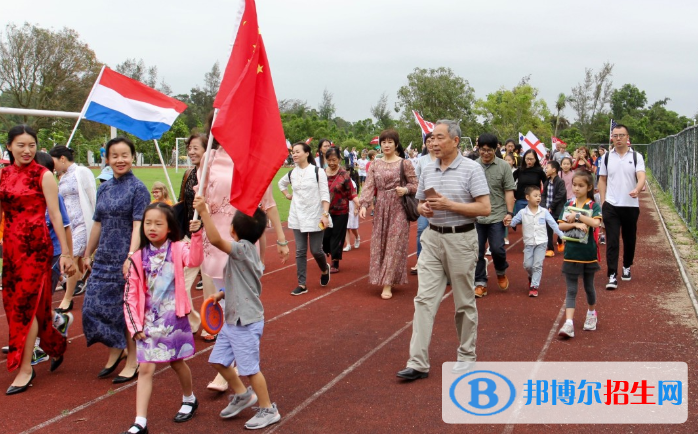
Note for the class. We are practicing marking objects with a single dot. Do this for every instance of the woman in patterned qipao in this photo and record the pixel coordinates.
(115, 235)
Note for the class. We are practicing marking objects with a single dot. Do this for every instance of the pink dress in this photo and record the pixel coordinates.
(218, 184)
(391, 230)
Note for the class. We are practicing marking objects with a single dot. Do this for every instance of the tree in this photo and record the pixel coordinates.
(381, 113)
(326, 109)
(45, 70)
(296, 106)
(627, 100)
(508, 112)
(560, 105)
(212, 80)
(590, 98)
(437, 94)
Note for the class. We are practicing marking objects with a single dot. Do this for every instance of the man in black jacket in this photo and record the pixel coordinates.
(553, 198)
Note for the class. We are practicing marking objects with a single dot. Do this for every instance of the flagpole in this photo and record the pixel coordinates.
(204, 171)
(84, 107)
(167, 175)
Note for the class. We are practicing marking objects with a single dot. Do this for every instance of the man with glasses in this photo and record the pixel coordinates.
(490, 229)
(621, 178)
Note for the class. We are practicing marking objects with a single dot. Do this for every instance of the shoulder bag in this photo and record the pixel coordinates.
(409, 202)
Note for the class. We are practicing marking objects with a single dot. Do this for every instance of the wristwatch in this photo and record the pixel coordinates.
(576, 217)
(325, 214)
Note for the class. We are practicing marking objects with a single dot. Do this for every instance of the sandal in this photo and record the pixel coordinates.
(385, 296)
(334, 270)
(210, 338)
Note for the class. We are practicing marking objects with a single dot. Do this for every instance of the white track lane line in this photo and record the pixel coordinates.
(356, 364)
(198, 353)
(351, 368)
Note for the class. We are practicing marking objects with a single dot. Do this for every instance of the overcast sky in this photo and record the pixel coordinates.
(358, 49)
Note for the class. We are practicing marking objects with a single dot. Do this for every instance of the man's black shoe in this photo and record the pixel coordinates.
(412, 374)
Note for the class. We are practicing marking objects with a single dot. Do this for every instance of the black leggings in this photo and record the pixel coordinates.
(333, 239)
(572, 280)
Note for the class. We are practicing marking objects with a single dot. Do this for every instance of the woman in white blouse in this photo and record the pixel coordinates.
(79, 190)
(309, 213)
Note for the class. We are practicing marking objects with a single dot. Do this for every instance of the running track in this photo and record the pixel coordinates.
(330, 356)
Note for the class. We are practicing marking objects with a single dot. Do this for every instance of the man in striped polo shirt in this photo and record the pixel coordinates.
(452, 193)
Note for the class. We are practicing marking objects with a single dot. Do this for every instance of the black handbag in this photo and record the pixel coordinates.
(409, 202)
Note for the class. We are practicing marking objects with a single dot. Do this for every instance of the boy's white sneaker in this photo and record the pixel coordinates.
(567, 330)
(264, 417)
(239, 403)
(591, 321)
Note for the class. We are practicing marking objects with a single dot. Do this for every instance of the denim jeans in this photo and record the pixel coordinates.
(533, 262)
(494, 234)
(422, 223)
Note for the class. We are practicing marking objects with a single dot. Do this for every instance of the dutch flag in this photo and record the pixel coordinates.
(129, 105)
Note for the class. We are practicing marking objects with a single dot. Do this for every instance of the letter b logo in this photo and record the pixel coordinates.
(482, 393)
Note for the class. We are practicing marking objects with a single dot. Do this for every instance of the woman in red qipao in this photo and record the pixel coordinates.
(26, 190)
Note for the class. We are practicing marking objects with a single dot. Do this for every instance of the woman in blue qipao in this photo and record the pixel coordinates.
(115, 235)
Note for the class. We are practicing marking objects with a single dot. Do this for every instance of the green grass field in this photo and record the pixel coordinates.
(151, 174)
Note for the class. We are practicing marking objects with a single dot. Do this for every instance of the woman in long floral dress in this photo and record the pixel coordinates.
(391, 230)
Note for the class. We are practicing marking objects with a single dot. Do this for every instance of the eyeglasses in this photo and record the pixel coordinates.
(619, 136)
(486, 150)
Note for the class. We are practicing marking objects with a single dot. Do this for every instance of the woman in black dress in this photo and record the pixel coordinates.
(530, 173)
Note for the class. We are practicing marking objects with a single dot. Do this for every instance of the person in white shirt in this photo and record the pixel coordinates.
(621, 179)
(362, 168)
(535, 218)
(309, 212)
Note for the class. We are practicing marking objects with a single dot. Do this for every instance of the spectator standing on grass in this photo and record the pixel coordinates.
(449, 248)
(308, 214)
(621, 179)
(491, 228)
(391, 230)
(160, 194)
(77, 186)
(422, 162)
(103, 156)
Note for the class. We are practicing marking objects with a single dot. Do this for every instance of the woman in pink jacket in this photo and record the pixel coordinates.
(156, 306)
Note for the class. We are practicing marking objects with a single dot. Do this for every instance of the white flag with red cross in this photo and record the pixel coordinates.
(530, 141)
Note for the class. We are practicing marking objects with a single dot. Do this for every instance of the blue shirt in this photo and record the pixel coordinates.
(66, 222)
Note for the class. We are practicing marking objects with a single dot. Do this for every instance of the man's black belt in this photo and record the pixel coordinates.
(452, 229)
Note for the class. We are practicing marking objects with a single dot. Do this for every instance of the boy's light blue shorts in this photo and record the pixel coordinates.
(238, 344)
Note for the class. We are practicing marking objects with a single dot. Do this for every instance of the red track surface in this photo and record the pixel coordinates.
(330, 356)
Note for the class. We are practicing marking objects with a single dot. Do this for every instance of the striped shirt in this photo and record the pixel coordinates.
(461, 182)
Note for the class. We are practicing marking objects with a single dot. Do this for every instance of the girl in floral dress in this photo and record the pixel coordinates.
(156, 307)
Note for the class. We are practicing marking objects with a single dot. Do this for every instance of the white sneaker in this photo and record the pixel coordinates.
(487, 252)
(506, 241)
(591, 321)
(357, 242)
(567, 330)
(462, 367)
(347, 248)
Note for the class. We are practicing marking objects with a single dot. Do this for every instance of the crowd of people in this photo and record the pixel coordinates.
(145, 255)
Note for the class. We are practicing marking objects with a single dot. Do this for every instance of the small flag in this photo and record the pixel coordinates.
(310, 139)
(288, 144)
(557, 141)
(374, 141)
(409, 147)
(610, 131)
(530, 141)
(426, 126)
(127, 104)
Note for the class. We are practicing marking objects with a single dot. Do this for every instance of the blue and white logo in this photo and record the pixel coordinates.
(482, 393)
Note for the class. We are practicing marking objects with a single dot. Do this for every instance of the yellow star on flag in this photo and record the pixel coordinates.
(259, 69)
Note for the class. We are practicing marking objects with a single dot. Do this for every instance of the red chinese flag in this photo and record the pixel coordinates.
(249, 128)
(243, 48)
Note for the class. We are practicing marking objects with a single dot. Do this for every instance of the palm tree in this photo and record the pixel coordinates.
(560, 105)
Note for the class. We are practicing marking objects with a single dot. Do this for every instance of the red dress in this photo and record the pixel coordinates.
(27, 253)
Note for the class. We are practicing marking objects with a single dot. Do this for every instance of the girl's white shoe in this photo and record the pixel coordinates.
(347, 248)
(357, 242)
